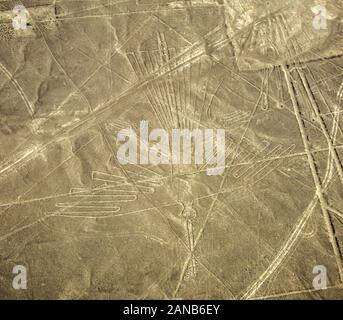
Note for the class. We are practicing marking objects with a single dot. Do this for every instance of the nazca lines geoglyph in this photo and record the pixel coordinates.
(107, 197)
(181, 99)
(176, 104)
(104, 199)
(112, 189)
(298, 81)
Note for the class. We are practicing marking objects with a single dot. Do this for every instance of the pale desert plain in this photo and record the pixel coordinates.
(82, 225)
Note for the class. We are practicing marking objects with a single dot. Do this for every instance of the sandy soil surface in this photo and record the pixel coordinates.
(87, 227)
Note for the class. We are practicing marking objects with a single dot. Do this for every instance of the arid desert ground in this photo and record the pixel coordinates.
(77, 223)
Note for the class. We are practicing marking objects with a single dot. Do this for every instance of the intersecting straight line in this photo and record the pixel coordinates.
(314, 173)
